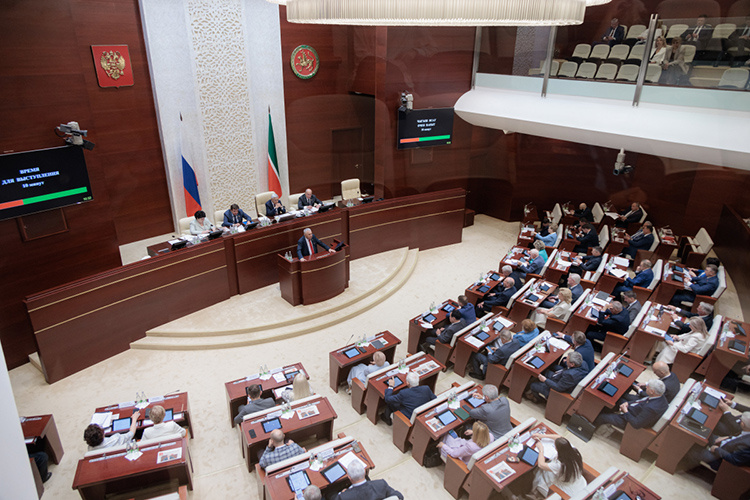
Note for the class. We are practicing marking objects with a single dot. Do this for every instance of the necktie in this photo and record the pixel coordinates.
(235, 218)
(310, 247)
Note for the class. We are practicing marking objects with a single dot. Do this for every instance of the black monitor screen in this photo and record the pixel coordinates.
(333, 473)
(350, 353)
(698, 416)
(168, 415)
(270, 425)
(484, 289)
(397, 382)
(475, 402)
(619, 495)
(420, 128)
(429, 318)
(709, 400)
(34, 181)
(495, 277)
(528, 455)
(448, 308)
(608, 389)
(625, 370)
(447, 417)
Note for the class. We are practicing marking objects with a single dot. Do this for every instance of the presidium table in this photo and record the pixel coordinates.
(319, 277)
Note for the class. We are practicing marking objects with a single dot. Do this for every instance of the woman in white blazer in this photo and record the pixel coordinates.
(161, 428)
(558, 311)
(691, 341)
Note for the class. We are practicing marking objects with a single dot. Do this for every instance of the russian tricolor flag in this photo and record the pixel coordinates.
(189, 180)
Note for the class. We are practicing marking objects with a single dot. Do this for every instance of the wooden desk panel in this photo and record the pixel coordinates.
(340, 366)
(417, 334)
(521, 372)
(723, 359)
(177, 402)
(593, 401)
(466, 345)
(43, 427)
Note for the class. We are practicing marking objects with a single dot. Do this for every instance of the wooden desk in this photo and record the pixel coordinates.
(629, 485)
(468, 344)
(617, 242)
(339, 365)
(581, 319)
(474, 292)
(100, 476)
(678, 439)
(375, 395)
(523, 306)
(513, 257)
(526, 235)
(236, 389)
(643, 340)
(320, 426)
(556, 270)
(722, 359)
(277, 487)
(417, 333)
(593, 401)
(569, 236)
(668, 243)
(671, 282)
(41, 429)
(177, 402)
(521, 372)
(319, 277)
(608, 281)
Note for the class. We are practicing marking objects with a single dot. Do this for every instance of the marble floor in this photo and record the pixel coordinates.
(219, 469)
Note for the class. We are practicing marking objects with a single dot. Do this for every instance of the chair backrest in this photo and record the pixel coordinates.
(607, 71)
(559, 236)
(653, 72)
(635, 31)
(555, 68)
(598, 213)
(523, 350)
(141, 444)
(470, 327)
(604, 237)
(586, 70)
(582, 50)
(723, 30)
(628, 72)
(735, 78)
(500, 442)
(350, 189)
(600, 269)
(184, 224)
(655, 244)
(676, 30)
(637, 52)
(557, 210)
(568, 69)
(578, 302)
(594, 485)
(712, 334)
(592, 375)
(600, 51)
(218, 217)
(521, 291)
(657, 269)
(260, 202)
(690, 53)
(294, 201)
(546, 264)
(638, 319)
(440, 398)
(643, 217)
(391, 366)
(722, 275)
(703, 240)
(674, 405)
(619, 51)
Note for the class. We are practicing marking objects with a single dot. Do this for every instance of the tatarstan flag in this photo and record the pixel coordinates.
(274, 180)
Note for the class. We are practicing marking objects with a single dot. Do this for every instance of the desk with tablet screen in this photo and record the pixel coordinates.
(237, 392)
(417, 333)
(514, 256)
(175, 405)
(671, 282)
(587, 313)
(729, 351)
(477, 291)
(341, 361)
(600, 394)
(561, 265)
(531, 299)
(471, 343)
(623, 486)
(652, 329)
(522, 371)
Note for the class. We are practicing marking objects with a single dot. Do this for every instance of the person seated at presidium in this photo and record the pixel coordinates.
(641, 240)
(587, 263)
(361, 371)
(497, 353)
(705, 284)
(563, 305)
(407, 399)
(274, 206)
(300, 389)
(615, 319)
(499, 299)
(463, 449)
(641, 413)
(308, 200)
(200, 225)
(562, 380)
(587, 239)
(614, 34)
(633, 215)
(254, 403)
(564, 471)
(308, 245)
(161, 428)
(466, 309)
(362, 489)
(574, 285)
(277, 450)
(444, 334)
(234, 216)
(644, 275)
(686, 342)
(94, 435)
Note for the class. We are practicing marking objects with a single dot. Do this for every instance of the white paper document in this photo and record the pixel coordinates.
(347, 460)
(618, 273)
(103, 419)
(621, 261)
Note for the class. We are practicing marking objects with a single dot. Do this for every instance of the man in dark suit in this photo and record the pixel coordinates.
(633, 215)
(444, 335)
(641, 413)
(494, 355)
(309, 243)
(581, 345)
(700, 285)
(643, 277)
(729, 424)
(698, 35)
(406, 400)
(362, 489)
(615, 319)
(670, 380)
(506, 272)
(574, 284)
(467, 309)
(614, 34)
(501, 299)
(495, 412)
(705, 311)
(563, 380)
(584, 213)
(588, 262)
(587, 239)
(534, 264)
(234, 216)
(274, 206)
(740, 38)
(631, 304)
(641, 240)
(733, 449)
(308, 200)
(255, 403)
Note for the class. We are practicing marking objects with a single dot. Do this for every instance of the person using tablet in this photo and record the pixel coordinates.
(565, 471)
(277, 450)
(312, 492)
(505, 345)
(200, 225)
(686, 343)
(300, 389)
(362, 489)
(161, 428)
(94, 435)
(254, 403)
(407, 399)
(361, 371)
(500, 299)
(615, 319)
(563, 381)
(705, 311)
(494, 413)
(463, 449)
(641, 413)
(234, 216)
(444, 334)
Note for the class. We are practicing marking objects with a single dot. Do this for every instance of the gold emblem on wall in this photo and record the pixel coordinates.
(113, 68)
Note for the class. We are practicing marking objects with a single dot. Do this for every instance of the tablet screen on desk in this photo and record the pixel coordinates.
(483, 289)
(397, 382)
(528, 455)
(350, 353)
(498, 326)
(536, 362)
(544, 287)
(482, 336)
(448, 308)
(678, 269)
(447, 417)
(168, 415)
(333, 473)
(429, 318)
(625, 370)
(675, 277)
(377, 344)
(495, 277)
(121, 424)
(608, 389)
(698, 416)
(532, 298)
(269, 425)
(474, 402)
(709, 400)
(619, 495)
(290, 376)
(298, 481)
(738, 346)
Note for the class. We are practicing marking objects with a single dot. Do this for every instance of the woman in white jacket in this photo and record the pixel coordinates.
(691, 341)
(659, 51)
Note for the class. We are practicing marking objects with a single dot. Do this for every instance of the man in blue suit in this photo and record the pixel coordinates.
(563, 381)
(467, 309)
(641, 413)
(533, 266)
(587, 262)
(733, 449)
(406, 400)
(309, 243)
(587, 239)
(274, 206)
(308, 200)
(234, 216)
(705, 311)
(615, 319)
(497, 355)
(583, 346)
(643, 277)
(705, 285)
(641, 240)
(362, 489)
(500, 299)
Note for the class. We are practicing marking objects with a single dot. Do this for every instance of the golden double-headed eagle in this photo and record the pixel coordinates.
(113, 64)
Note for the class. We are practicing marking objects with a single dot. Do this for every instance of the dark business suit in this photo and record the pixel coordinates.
(642, 413)
(496, 415)
(617, 33)
(586, 241)
(638, 242)
(586, 351)
(671, 388)
(304, 251)
(634, 308)
(735, 450)
(252, 407)
(500, 299)
(230, 218)
(271, 211)
(563, 381)
(729, 424)
(608, 322)
(467, 313)
(370, 490)
(499, 356)
(642, 279)
(701, 285)
(407, 400)
(304, 201)
(685, 327)
(584, 214)
(630, 219)
(588, 263)
(704, 35)
(447, 334)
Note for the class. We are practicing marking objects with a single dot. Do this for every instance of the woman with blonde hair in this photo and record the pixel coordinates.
(659, 51)
(463, 449)
(563, 305)
(539, 245)
(300, 389)
(691, 341)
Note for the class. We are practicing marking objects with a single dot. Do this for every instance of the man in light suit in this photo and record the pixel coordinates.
(641, 240)
(534, 265)
(674, 67)
(643, 277)
(495, 412)
(309, 243)
(308, 200)
(362, 489)
(406, 400)
(255, 403)
(614, 34)
(494, 355)
(641, 413)
(630, 300)
(274, 206)
(234, 216)
(501, 299)
(700, 285)
(445, 335)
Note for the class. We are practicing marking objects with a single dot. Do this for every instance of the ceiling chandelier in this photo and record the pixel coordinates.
(438, 12)
(591, 3)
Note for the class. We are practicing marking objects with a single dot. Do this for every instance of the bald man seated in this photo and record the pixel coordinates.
(277, 450)
(308, 200)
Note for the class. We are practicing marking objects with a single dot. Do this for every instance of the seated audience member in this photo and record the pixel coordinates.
(160, 427)
(658, 51)
(466, 309)
(644, 34)
(584, 213)
(674, 67)
(686, 342)
(309, 243)
(633, 215)
(641, 413)
(698, 35)
(407, 399)
(41, 459)
(705, 312)
(528, 332)
(700, 285)
(444, 334)
(632, 306)
(274, 206)
(499, 299)
(94, 435)
(308, 200)
(669, 379)
(544, 229)
(277, 450)
(576, 290)
(733, 449)
(643, 277)
(463, 449)
(586, 263)
(200, 225)
(533, 266)
(615, 319)
(564, 472)
(362, 489)
(563, 380)
(641, 240)
(539, 245)
(497, 354)
(300, 389)
(312, 492)
(551, 237)
(729, 424)
(494, 413)
(587, 239)
(563, 305)
(693, 273)
(740, 38)
(361, 371)
(614, 34)
(506, 272)
(254, 403)
(582, 346)
(234, 216)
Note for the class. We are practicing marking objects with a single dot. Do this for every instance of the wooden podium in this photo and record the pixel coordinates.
(317, 278)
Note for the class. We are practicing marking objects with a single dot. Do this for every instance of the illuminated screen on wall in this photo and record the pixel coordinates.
(34, 181)
(422, 128)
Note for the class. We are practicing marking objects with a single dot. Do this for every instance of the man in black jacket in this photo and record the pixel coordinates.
(563, 380)
(641, 413)
(587, 239)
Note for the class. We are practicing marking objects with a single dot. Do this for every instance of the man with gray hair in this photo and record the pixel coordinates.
(274, 206)
(362, 489)
(312, 492)
(641, 413)
(705, 311)
(499, 354)
(495, 412)
(733, 449)
(533, 266)
(309, 243)
(406, 400)
(361, 371)
(614, 319)
(563, 380)
(576, 290)
(500, 299)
